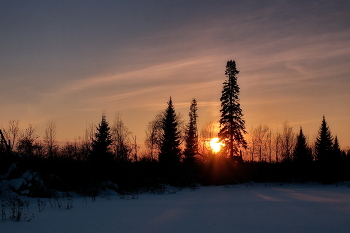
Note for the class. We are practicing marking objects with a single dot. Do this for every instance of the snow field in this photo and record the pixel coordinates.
(239, 208)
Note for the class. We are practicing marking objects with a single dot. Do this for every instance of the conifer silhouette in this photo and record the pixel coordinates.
(102, 142)
(302, 153)
(324, 143)
(170, 142)
(232, 125)
(191, 138)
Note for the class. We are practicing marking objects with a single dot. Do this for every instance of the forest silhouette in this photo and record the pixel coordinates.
(177, 154)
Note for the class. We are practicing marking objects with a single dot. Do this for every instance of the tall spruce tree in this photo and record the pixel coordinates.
(324, 143)
(101, 143)
(191, 139)
(302, 153)
(232, 125)
(170, 142)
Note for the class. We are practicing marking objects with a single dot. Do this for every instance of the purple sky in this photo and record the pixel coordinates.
(69, 61)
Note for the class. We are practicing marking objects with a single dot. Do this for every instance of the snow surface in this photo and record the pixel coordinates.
(239, 208)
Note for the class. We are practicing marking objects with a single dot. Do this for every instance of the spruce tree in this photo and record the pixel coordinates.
(101, 143)
(324, 143)
(191, 139)
(232, 125)
(302, 153)
(170, 142)
(337, 153)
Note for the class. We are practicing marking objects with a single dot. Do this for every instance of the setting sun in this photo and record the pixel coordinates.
(215, 145)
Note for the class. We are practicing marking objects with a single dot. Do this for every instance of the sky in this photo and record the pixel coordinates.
(70, 61)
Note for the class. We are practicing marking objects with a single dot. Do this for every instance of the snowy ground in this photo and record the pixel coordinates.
(241, 208)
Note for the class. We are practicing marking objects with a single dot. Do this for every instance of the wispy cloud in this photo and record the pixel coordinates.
(293, 58)
(127, 95)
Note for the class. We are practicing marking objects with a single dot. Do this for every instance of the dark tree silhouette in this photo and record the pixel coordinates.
(4, 145)
(50, 139)
(232, 125)
(11, 133)
(302, 153)
(337, 153)
(154, 134)
(288, 138)
(122, 145)
(170, 142)
(28, 145)
(191, 138)
(324, 144)
(101, 143)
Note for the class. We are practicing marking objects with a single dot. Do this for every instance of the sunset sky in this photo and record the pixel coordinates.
(69, 61)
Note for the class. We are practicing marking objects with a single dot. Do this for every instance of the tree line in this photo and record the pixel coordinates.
(176, 153)
(267, 145)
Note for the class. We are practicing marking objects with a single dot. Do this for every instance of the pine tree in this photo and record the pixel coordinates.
(337, 153)
(232, 125)
(302, 153)
(324, 144)
(101, 143)
(170, 142)
(191, 140)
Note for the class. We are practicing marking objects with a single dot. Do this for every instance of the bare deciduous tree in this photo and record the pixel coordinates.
(260, 138)
(27, 143)
(154, 136)
(50, 139)
(88, 137)
(269, 145)
(272, 146)
(277, 140)
(125, 148)
(288, 140)
(208, 132)
(12, 133)
(74, 150)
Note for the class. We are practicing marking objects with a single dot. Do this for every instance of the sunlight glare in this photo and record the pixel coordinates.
(215, 145)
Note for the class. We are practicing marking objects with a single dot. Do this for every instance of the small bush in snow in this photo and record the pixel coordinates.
(16, 209)
(41, 205)
(61, 203)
